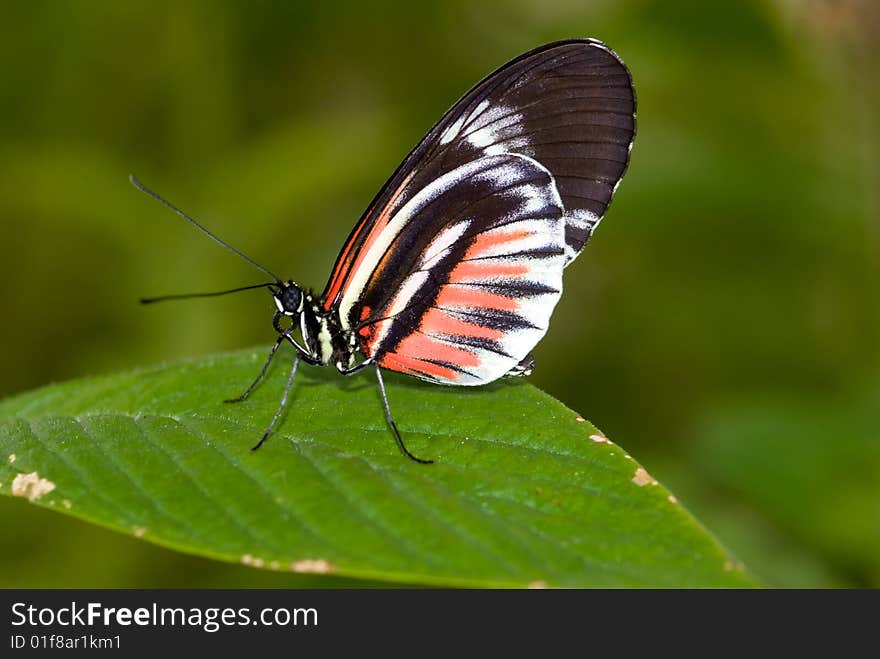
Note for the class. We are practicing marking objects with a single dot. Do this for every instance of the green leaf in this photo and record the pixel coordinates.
(523, 492)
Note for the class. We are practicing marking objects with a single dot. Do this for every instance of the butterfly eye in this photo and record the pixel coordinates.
(288, 299)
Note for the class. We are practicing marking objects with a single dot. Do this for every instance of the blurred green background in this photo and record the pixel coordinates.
(723, 325)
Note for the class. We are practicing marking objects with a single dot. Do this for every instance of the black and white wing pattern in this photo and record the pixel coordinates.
(571, 107)
(476, 270)
(453, 271)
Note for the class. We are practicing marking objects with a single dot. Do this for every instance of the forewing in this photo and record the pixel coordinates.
(569, 105)
(467, 274)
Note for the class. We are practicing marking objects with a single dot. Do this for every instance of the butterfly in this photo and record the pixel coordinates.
(452, 273)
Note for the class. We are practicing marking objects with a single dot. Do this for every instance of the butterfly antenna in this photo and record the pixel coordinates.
(188, 296)
(140, 186)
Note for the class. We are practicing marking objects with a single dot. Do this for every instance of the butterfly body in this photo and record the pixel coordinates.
(324, 338)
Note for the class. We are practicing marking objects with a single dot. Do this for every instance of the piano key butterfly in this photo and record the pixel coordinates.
(452, 273)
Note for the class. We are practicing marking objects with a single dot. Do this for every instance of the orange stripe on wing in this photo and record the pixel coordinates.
(462, 296)
(436, 321)
(410, 365)
(369, 333)
(337, 279)
(478, 271)
(422, 346)
(491, 239)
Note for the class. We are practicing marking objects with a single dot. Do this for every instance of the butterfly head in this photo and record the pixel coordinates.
(289, 302)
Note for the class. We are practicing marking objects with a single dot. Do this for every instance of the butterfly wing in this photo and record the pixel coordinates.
(570, 105)
(523, 166)
(468, 273)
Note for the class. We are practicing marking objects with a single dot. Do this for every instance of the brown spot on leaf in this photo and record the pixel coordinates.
(66, 503)
(539, 491)
(600, 439)
(11, 458)
(579, 418)
(31, 486)
(312, 566)
(728, 566)
(642, 477)
(139, 532)
(672, 498)
(538, 585)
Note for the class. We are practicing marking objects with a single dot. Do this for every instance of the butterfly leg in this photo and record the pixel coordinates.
(393, 425)
(281, 405)
(357, 368)
(259, 378)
